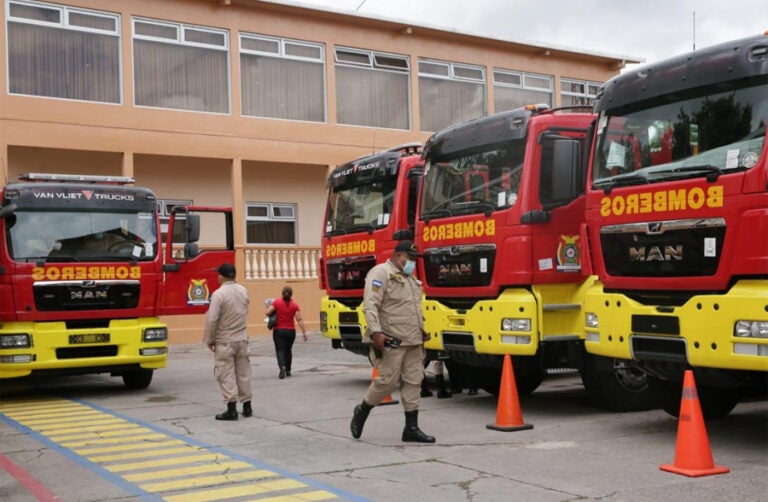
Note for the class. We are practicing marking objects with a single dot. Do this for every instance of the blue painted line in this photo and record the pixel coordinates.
(135, 490)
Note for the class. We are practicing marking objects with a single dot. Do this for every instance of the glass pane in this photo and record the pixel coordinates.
(156, 30)
(577, 87)
(592, 89)
(507, 78)
(507, 98)
(353, 57)
(95, 22)
(37, 13)
(434, 68)
(181, 77)
(446, 102)
(282, 88)
(258, 211)
(282, 211)
(372, 98)
(391, 62)
(539, 82)
(205, 37)
(57, 63)
(470, 73)
(260, 45)
(303, 51)
(270, 232)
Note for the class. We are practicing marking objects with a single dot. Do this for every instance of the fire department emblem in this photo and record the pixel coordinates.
(198, 292)
(568, 254)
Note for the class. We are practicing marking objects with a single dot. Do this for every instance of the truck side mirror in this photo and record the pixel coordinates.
(193, 227)
(560, 173)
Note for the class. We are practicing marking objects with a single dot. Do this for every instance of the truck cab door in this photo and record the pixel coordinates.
(199, 240)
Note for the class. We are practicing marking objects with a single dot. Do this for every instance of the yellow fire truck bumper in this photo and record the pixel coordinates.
(728, 331)
(336, 318)
(26, 347)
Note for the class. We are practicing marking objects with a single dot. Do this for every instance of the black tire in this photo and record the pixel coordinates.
(139, 379)
(528, 377)
(617, 387)
(715, 402)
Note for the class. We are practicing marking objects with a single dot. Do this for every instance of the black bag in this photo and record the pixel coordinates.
(272, 320)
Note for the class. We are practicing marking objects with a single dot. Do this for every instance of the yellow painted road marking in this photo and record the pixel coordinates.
(236, 491)
(154, 462)
(186, 471)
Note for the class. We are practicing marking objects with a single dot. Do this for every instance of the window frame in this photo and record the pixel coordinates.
(524, 85)
(65, 24)
(271, 217)
(587, 85)
(180, 41)
(164, 207)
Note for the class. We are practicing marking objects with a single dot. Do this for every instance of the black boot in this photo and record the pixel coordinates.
(247, 411)
(358, 419)
(230, 414)
(442, 392)
(412, 431)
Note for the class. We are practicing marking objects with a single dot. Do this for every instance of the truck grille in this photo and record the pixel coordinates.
(349, 273)
(459, 266)
(676, 248)
(86, 295)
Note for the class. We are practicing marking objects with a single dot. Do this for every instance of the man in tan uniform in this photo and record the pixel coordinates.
(392, 309)
(225, 334)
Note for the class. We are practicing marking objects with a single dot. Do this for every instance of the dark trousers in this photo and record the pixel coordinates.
(284, 339)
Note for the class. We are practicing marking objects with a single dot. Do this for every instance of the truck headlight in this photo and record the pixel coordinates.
(155, 334)
(751, 329)
(516, 324)
(591, 320)
(323, 321)
(17, 341)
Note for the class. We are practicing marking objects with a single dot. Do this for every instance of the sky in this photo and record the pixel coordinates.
(650, 30)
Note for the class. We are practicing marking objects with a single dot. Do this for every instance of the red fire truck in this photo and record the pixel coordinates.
(499, 224)
(371, 206)
(84, 276)
(677, 223)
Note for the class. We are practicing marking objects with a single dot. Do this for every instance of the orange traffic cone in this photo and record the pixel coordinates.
(508, 415)
(693, 457)
(388, 399)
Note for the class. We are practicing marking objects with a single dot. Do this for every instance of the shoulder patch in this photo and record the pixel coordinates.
(375, 284)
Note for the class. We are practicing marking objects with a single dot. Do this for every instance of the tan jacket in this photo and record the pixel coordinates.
(392, 303)
(227, 315)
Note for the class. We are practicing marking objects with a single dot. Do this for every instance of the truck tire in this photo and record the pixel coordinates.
(527, 378)
(138, 379)
(617, 387)
(715, 402)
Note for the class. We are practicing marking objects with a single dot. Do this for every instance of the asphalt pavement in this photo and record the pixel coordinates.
(88, 438)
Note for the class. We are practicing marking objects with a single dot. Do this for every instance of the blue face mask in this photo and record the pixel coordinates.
(409, 266)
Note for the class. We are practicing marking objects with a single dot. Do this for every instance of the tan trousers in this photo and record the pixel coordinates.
(232, 370)
(402, 368)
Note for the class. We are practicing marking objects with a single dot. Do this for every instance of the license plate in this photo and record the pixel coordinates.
(89, 338)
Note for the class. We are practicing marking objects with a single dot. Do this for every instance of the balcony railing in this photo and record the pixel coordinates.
(281, 263)
(276, 263)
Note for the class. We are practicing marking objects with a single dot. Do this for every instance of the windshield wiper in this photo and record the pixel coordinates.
(628, 179)
(62, 258)
(338, 231)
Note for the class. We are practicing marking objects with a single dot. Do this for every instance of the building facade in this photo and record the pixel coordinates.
(249, 104)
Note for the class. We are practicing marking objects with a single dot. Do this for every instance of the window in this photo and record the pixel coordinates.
(270, 223)
(372, 89)
(449, 93)
(180, 66)
(515, 89)
(164, 210)
(62, 52)
(282, 79)
(578, 92)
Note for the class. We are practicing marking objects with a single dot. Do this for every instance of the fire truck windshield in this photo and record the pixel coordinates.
(482, 180)
(698, 132)
(362, 207)
(81, 236)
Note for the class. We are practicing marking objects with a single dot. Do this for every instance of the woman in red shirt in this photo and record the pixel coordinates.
(284, 333)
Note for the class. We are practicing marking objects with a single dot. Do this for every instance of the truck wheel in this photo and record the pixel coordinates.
(715, 402)
(617, 387)
(527, 378)
(138, 379)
